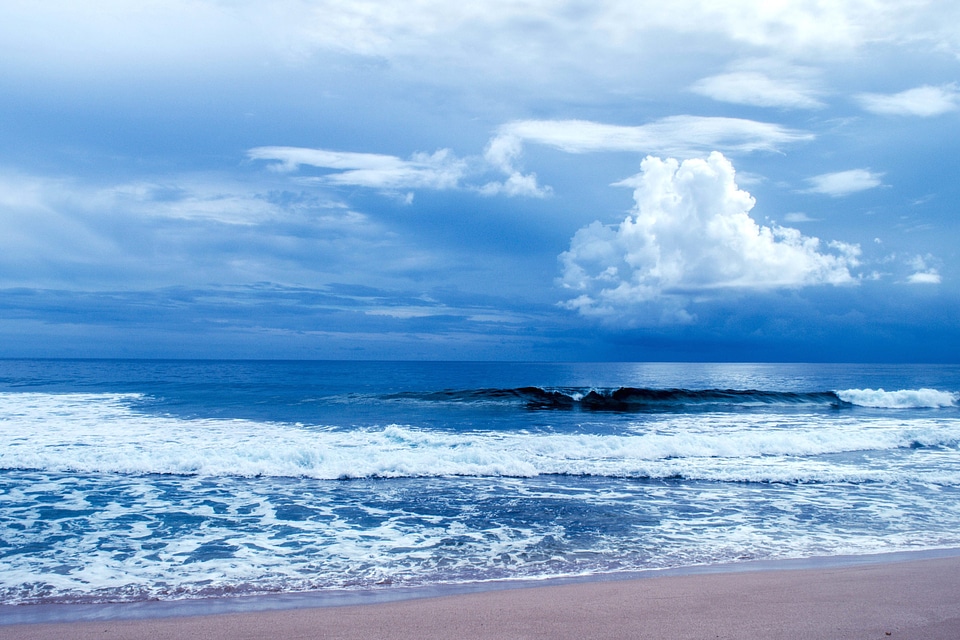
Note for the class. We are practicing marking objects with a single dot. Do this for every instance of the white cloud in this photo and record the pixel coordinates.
(182, 199)
(798, 216)
(690, 235)
(503, 153)
(682, 136)
(517, 184)
(675, 135)
(925, 101)
(923, 273)
(532, 39)
(380, 28)
(843, 183)
(925, 277)
(763, 84)
(441, 170)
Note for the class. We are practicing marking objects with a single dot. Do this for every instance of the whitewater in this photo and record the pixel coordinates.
(131, 480)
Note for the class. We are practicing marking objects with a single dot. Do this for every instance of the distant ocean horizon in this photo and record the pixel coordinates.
(130, 480)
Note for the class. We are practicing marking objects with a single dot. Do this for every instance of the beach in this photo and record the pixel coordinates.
(916, 599)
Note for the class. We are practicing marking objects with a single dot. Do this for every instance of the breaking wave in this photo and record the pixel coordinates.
(903, 399)
(102, 433)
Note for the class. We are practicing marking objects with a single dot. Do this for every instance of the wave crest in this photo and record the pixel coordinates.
(622, 399)
(648, 400)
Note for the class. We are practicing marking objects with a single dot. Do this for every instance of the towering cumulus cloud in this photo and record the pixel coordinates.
(690, 234)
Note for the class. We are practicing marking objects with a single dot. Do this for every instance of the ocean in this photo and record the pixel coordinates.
(126, 480)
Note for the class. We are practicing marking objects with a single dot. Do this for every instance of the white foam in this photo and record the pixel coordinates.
(902, 399)
(101, 433)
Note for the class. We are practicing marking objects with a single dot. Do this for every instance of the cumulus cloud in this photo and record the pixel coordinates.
(690, 235)
(925, 101)
(440, 170)
(843, 183)
(763, 84)
(682, 136)
(503, 153)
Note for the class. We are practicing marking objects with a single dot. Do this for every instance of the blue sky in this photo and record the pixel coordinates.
(535, 180)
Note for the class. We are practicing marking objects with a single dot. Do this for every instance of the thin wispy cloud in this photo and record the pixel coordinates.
(763, 84)
(440, 170)
(682, 136)
(844, 183)
(924, 102)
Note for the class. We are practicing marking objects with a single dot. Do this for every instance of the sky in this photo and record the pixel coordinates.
(746, 180)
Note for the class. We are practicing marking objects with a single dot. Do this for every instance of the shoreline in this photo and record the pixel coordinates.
(864, 596)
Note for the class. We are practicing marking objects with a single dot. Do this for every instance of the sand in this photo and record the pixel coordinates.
(914, 599)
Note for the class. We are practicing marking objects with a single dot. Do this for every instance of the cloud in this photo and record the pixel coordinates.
(441, 170)
(923, 273)
(503, 152)
(843, 183)
(690, 235)
(37, 228)
(489, 40)
(517, 184)
(925, 101)
(377, 28)
(762, 84)
(924, 277)
(675, 135)
(187, 228)
(682, 136)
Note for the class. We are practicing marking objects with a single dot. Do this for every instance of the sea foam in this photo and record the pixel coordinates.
(902, 399)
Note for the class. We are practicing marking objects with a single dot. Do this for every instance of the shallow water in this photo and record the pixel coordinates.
(127, 480)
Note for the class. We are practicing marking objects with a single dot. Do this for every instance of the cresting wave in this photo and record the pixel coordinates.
(101, 433)
(631, 399)
(903, 399)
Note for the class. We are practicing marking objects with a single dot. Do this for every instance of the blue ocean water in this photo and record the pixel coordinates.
(132, 480)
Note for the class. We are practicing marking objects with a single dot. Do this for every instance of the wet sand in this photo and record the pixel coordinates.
(912, 599)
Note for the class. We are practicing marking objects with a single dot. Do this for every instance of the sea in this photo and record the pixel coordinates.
(137, 480)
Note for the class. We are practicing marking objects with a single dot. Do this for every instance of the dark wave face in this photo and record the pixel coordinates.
(626, 399)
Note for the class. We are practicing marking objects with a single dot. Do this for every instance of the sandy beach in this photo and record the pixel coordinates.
(915, 599)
